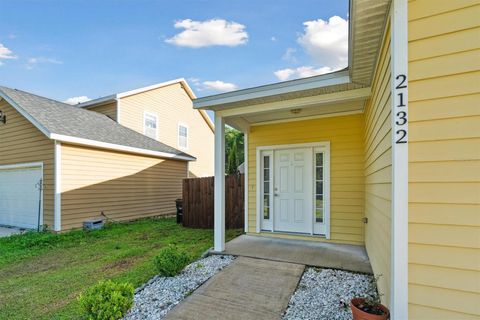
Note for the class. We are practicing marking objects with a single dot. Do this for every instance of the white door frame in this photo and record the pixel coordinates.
(29, 165)
(322, 144)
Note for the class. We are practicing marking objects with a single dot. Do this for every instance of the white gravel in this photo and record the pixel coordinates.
(160, 294)
(326, 294)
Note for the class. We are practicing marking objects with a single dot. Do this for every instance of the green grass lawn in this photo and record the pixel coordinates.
(41, 274)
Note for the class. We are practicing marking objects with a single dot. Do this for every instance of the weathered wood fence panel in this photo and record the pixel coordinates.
(198, 199)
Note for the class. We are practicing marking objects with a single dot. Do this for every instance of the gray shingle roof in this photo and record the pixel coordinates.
(63, 119)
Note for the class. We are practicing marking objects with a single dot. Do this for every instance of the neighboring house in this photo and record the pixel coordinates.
(164, 112)
(332, 158)
(87, 163)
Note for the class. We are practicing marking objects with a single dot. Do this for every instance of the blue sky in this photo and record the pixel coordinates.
(65, 49)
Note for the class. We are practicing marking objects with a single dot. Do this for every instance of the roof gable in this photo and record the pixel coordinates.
(64, 122)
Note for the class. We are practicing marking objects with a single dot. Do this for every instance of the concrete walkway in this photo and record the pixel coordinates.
(248, 289)
(310, 253)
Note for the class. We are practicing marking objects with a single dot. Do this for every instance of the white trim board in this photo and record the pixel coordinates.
(21, 165)
(57, 221)
(245, 177)
(116, 147)
(399, 121)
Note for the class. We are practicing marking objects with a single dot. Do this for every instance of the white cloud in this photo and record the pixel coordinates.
(301, 72)
(326, 41)
(6, 54)
(219, 85)
(77, 100)
(289, 55)
(32, 62)
(273, 39)
(214, 32)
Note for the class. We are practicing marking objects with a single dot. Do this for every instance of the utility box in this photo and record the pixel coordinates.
(93, 224)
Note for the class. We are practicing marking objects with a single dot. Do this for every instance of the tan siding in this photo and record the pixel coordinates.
(346, 168)
(109, 109)
(123, 186)
(22, 142)
(444, 164)
(378, 171)
(172, 105)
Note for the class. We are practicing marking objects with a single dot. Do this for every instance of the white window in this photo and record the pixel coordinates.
(150, 125)
(182, 136)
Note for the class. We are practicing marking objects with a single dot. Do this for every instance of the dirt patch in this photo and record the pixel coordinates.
(120, 265)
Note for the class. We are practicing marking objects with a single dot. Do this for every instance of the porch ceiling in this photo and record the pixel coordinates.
(326, 105)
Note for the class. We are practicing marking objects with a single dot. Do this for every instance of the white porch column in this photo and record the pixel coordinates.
(219, 206)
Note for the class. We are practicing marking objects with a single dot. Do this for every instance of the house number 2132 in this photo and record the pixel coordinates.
(400, 109)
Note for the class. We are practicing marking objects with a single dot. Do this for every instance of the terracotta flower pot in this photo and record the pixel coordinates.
(359, 314)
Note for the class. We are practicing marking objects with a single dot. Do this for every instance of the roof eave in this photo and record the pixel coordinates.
(117, 147)
(211, 102)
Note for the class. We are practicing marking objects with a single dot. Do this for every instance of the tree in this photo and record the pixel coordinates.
(234, 152)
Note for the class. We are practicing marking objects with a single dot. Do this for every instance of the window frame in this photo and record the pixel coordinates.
(180, 124)
(153, 115)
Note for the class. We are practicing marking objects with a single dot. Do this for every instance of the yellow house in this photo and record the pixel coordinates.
(61, 165)
(384, 154)
(164, 112)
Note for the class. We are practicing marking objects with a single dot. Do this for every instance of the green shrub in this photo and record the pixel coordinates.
(170, 261)
(107, 300)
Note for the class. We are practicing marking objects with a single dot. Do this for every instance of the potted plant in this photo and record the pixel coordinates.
(369, 308)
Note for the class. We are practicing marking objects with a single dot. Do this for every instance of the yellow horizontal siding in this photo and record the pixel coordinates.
(172, 105)
(346, 169)
(444, 155)
(123, 186)
(109, 109)
(22, 142)
(378, 171)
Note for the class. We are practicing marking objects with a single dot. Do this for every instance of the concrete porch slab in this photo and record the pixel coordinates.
(248, 289)
(310, 253)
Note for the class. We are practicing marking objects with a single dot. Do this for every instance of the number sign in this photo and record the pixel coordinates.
(401, 118)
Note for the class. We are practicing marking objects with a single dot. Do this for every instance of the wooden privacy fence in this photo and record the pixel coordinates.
(198, 197)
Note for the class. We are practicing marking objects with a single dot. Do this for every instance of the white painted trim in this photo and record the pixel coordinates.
(258, 190)
(399, 246)
(27, 115)
(21, 165)
(321, 144)
(31, 165)
(124, 94)
(57, 221)
(219, 187)
(116, 147)
(326, 196)
(296, 145)
(245, 177)
(264, 225)
(153, 115)
(321, 116)
(339, 77)
(119, 111)
(182, 81)
(178, 135)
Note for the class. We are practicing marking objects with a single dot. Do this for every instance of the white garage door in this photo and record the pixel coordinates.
(19, 196)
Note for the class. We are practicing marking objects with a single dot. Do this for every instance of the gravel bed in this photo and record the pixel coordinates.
(326, 294)
(160, 294)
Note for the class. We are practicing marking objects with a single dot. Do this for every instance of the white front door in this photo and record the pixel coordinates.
(20, 196)
(293, 194)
